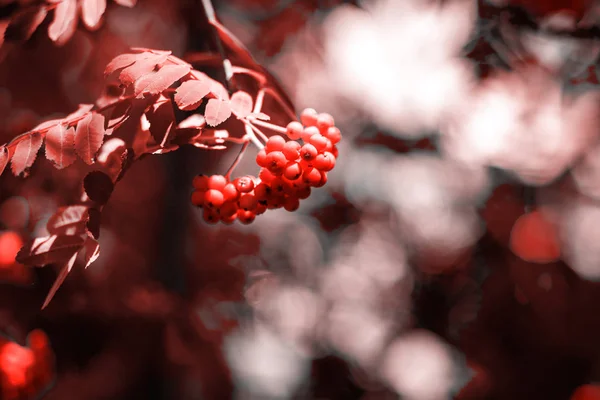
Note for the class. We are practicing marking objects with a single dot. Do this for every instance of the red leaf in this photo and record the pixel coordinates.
(60, 279)
(155, 83)
(217, 111)
(91, 12)
(26, 153)
(119, 114)
(241, 104)
(145, 64)
(126, 3)
(161, 118)
(89, 137)
(216, 88)
(60, 146)
(92, 251)
(49, 250)
(190, 94)
(70, 220)
(193, 121)
(119, 62)
(3, 158)
(46, 124)
(64, 24)
(98, 186)
(259, 115)
(81, 111)
(24, 23)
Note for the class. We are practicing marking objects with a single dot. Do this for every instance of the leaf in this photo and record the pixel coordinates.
(119, 114)
(126, 3)
(91, 12)
(193, 121)
(190, 93)
(162, 119)
(81, 111)
(145, 64)
(93, 223)
(24, 23)
(49, 250)
(70, 220)
(3, 158)
(98, 186)
(92, 250)
(89, 136)
(119, 62)
(46, 124)
(241, 104)
(155, 83)
(64, 24)
(26, 153)
(60, 279)
(259, 115)
(60, 146)
(217, 111)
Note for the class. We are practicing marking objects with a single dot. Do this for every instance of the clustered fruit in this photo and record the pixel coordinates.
(289, 169)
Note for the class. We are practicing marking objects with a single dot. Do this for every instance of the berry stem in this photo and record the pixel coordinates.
(252, 136)
(273, 127)
(237, 160)
(257, 131)
(259, 101)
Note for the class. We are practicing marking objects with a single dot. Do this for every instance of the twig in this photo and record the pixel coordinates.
(273, 127)
(209, 12)
(237, 160)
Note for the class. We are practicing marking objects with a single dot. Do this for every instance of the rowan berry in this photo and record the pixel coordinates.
(308, 132)
(324, 162)
(279, 185)
(213, 198)
(308, 152)
(292, 171)
(261, 158)
(276, 162)
(294, 130)
(319, 141)
(323, 180)
(335, 151)
(262, 191)
(303, 192)
(228, 220)
(309, 116)
(324, 122)
(275, 201)
(260, 208)
(228, 209)
(200, 182)
(333, 134)
(244, 184)
(311, 176)
(246, 217)
(291, 150)
(210, 216)
(217, 182)
(248, 202)
(265, 176)
(198, 198)
(275, 143)
(230, 193)
(292, 203)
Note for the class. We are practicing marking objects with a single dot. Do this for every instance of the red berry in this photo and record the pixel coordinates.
(335, 151)
(275, 143)
(261, 208)
(248, 202)
(311, 176)
(266, 176)
(309, 116)
(261, 158)
(217, 182)
(276, 162)
(320, 142)
(228, 220)
(324, 122)
(228, 209)
(213, 198)
(262, 191)
(210, 216)
(292, 203)
(200, 182)
(244, 184)
(303, 192)
(292, 171)
(334, 135)
(281, 186)
(323, 180)
(230, 193)
(275, 202)
(246, 217)
(324, 162)
(308, 152)
(294, 130)
(291, 150)
(308, 132)
(198, 198)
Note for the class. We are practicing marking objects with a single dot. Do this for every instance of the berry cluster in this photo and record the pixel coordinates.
(289, 169)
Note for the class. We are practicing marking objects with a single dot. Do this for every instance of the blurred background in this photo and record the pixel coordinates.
(453, 253)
